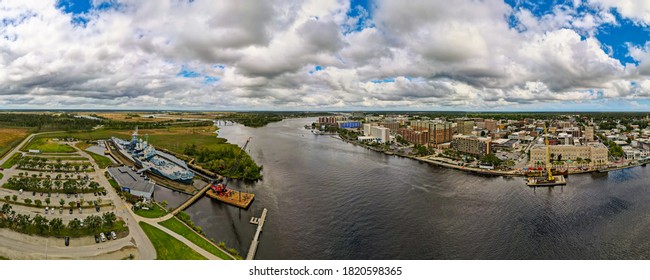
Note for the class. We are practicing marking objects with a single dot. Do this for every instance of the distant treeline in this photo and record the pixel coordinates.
(259, 119)
(68, 122)
(47, 122)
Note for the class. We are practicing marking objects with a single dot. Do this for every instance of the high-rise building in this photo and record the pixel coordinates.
(478, 146)
(439, 131)
(490, 125)
(381, 133)
(464, 126)
(589, 133)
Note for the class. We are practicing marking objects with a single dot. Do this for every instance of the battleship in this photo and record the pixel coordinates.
(145, 156)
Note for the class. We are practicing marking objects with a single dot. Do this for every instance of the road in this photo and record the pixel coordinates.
(25, 246)
(21, 246)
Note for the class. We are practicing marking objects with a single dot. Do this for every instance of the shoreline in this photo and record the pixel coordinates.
(474, 170)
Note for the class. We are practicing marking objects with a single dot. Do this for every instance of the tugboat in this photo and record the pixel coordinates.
(549, 180)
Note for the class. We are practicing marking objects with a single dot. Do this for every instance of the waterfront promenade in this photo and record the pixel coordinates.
(449, 163)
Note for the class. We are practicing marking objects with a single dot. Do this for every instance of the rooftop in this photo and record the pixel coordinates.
(130, 179)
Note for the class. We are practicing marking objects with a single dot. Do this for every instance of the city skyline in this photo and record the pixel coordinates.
(491, 56)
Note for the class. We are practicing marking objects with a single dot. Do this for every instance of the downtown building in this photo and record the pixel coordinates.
(464, 126)
(439, 131)
(470, 144)
(596, 152)
(379, 133)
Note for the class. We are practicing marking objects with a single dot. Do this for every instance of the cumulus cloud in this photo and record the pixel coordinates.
(312, 54)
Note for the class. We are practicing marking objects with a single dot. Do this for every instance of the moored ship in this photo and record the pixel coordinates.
(145, 156)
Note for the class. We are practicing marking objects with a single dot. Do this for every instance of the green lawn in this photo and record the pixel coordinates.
(178, 227)
(46, 145)
(102, 161)
(3, 258)
(155, 212)
(12, 161)
(167, 247)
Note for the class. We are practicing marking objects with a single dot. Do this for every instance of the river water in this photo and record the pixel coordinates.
(328, 199)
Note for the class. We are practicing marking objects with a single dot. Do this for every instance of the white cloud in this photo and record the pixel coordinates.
(431, 55)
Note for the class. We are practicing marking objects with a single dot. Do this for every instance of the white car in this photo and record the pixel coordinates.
(45, 209)
(113, 235)
(102, 237)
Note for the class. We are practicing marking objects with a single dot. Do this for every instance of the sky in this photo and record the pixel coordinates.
(473, 55)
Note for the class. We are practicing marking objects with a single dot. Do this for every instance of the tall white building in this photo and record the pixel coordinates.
(381, 133)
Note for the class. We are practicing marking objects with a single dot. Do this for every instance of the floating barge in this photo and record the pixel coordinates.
(545, 182)
(235, 198)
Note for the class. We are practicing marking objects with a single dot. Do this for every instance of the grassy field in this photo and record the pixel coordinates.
(102, 161)
(173, 138)
(12, 161)
(220, 156)
(167, 247)
(46, 145)
(178, 227)
(155, 212)
(10, 137)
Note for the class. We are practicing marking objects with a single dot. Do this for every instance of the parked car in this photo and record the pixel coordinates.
(97, 208)
(46, 209)
(80, 212)
(95, 193)
(67, 240)
(34, 193)
(96, 238)
(102, 237)
(108, 235)
(61, 210)
(113, 235)
(71, 210)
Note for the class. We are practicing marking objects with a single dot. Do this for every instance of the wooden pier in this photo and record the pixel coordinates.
(260, 223)
(191, 200)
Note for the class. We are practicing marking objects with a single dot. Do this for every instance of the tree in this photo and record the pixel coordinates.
(6, 208)
(164, 204)
(7, 198)
(72, 204)
(109, 219)
(74, 224)
(93, 222)
(28, 201)
(491, 159)
(56, 225)
(14, 198)
(47, 201)
(62, 202)
(38, 203)
(41, 223)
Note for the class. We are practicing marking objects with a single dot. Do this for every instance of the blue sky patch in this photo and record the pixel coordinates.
(381, 81)
(75, 7)
(187, 73)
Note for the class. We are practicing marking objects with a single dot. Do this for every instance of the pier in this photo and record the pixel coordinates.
(260, 223)
(190, 201)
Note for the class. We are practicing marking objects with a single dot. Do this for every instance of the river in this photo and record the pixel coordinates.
(328, 199)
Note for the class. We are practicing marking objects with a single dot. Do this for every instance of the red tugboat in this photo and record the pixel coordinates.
(219, 188)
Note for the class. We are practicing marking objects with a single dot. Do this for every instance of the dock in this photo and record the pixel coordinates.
(236, 198)
(260, 223)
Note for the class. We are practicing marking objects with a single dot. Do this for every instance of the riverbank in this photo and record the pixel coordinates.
(511, 173)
